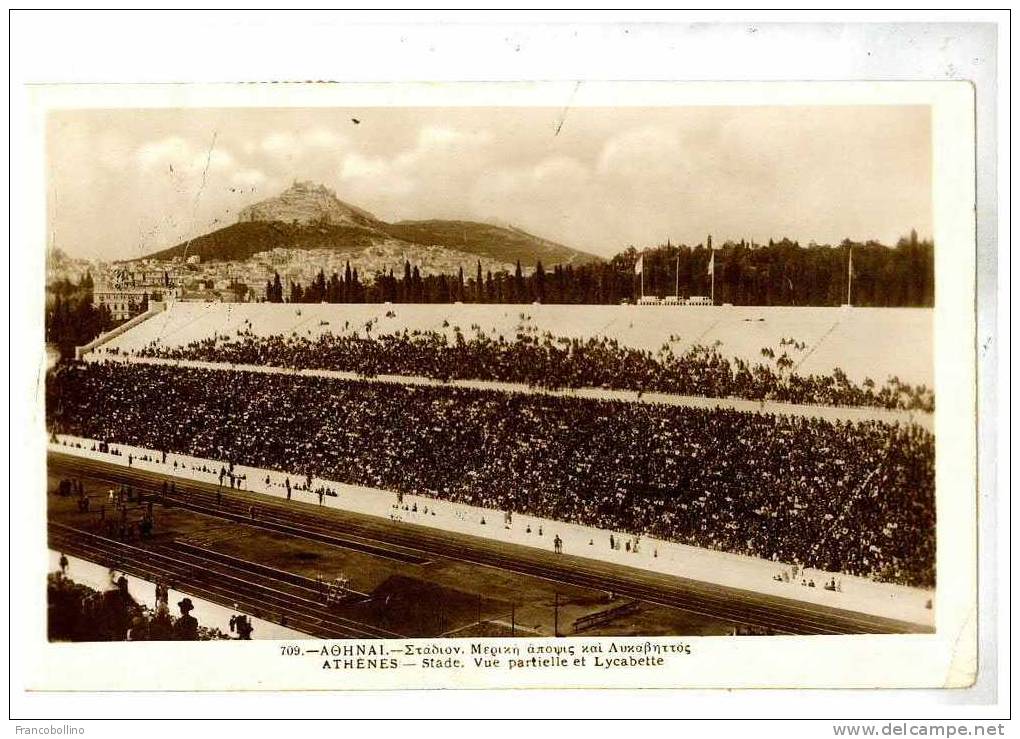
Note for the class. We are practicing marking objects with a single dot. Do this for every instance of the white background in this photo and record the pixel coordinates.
(235, 46)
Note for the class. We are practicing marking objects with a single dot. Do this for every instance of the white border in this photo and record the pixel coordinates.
(945, 659)
(76, 50)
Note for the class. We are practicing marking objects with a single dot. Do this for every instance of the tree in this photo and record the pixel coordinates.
(274, 291)
(334, 289)
(417, 288)
(519, 296)
(407, 286)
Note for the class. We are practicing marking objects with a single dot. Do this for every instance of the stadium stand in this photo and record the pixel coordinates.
(551, 362)
(899, 341)
(853, 498)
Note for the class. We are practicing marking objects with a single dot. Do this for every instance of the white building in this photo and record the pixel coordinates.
(699, 300)
(126, 293)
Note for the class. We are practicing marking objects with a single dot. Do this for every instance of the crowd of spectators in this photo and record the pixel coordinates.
(76, 613)
(554, 362)
(847, 497)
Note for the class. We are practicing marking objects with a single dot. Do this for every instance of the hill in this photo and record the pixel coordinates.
(496, 242)
(240, 241)
(307, 203)
(308, 216)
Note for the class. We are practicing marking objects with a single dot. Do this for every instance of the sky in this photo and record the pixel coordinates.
(125, 183)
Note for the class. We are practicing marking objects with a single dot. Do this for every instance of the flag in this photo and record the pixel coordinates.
(639, 265)
(711, 264)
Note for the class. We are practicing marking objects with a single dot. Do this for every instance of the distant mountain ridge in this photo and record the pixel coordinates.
(310, 216)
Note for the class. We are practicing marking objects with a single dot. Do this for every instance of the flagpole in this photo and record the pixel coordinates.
(849, 271)
(642, 278)
(712, 257)
(678, 276)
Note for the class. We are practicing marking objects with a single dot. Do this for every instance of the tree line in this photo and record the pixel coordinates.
(71, 318)
(778, 273)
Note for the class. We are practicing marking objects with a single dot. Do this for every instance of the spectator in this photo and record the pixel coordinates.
(186, 627)
(553, 362)
(844, 497)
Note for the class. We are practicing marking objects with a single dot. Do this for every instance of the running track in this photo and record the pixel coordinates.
(401, 540)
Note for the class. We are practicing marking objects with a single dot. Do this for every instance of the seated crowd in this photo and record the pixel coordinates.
(552, 362)
(856, 498)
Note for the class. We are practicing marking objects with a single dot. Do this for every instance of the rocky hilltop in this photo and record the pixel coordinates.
(306, 203)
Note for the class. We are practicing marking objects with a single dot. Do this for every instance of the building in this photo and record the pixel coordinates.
(122, 302)
(126, 293)
(257, 292)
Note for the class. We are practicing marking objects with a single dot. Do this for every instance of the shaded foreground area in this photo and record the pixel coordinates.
(78, 613)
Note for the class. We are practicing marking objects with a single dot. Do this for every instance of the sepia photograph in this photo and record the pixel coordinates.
(490, 372)
(509, 366)
(494, 385)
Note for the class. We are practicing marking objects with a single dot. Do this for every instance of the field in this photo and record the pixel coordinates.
(439, 597)
(863, 342)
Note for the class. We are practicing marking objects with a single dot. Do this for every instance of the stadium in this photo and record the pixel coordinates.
(452, 470)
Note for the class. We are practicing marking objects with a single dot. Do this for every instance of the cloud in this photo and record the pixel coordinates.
(165, 151)
(541, 197)
(288, 145)
(282, 145)
(425, 179)
(357, 165)
(184, 156)
(324, 138)
(248, 177)
(554, 177)
(642, 154)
